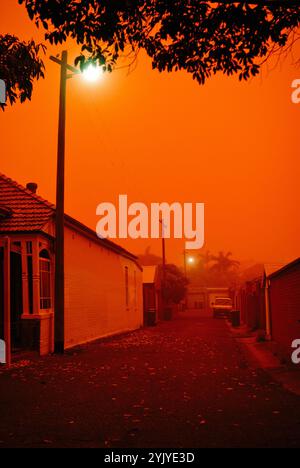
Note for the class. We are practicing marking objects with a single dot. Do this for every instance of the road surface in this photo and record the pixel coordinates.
(184, 383)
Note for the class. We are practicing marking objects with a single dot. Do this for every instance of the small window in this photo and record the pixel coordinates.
(45, 254)
(45, 280)
(126, 287)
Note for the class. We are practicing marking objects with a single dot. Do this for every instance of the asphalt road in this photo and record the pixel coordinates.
(184, 383)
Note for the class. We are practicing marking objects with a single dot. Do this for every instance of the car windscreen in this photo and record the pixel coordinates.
(225, 302)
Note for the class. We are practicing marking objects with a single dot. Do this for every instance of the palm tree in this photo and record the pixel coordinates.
(223, 263)
(206, 258)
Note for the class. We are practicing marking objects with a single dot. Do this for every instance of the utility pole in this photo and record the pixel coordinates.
(184, 259)
(164, 259)
(185, 274)
(163, 283)
(59, 310)
(59, 307)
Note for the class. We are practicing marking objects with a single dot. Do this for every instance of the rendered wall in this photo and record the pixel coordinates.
(95, 299)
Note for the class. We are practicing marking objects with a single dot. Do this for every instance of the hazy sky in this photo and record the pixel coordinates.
(162, 137)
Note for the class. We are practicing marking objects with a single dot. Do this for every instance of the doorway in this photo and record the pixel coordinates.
(16, 298)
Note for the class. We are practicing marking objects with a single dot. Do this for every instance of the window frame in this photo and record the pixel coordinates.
(45, 280)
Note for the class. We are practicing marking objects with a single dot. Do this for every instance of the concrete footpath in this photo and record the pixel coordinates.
(263, 356)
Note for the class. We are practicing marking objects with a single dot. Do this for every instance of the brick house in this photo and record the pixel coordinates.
(103, 282)
(284, 292)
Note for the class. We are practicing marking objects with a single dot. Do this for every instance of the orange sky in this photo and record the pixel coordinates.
(162, 137)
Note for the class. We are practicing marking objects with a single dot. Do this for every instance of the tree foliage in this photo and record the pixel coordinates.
(20, 64)
(175, 286)
(200, 37)
(214, 270)
(223, 263)
(149, 259)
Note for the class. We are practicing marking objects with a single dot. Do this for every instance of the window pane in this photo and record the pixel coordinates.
(45, 284)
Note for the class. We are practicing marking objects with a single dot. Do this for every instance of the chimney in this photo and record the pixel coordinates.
(32, 187)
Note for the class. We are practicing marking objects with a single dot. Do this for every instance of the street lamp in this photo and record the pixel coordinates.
(191, 261)
(188, 260)
(92, 73)
(66, 72)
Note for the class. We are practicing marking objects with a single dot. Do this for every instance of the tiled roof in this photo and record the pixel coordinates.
(23, 211)
(28, 211)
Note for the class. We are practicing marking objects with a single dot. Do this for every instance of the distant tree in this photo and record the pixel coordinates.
(224, 263)
(214, 270)
(148, 259)
(198, 36)
(176, 285)
(20, 64)
(205, 259)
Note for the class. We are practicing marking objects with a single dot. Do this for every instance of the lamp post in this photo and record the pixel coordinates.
(164, 259)
(59, 304)
(163, 282)
(190, 260)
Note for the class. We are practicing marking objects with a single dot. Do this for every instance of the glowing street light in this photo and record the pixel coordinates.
(188, 260)
(92, 73)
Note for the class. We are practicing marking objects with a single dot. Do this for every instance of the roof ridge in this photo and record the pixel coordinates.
(27, 191)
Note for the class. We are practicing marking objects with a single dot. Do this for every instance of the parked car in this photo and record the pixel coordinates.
(222, 307)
